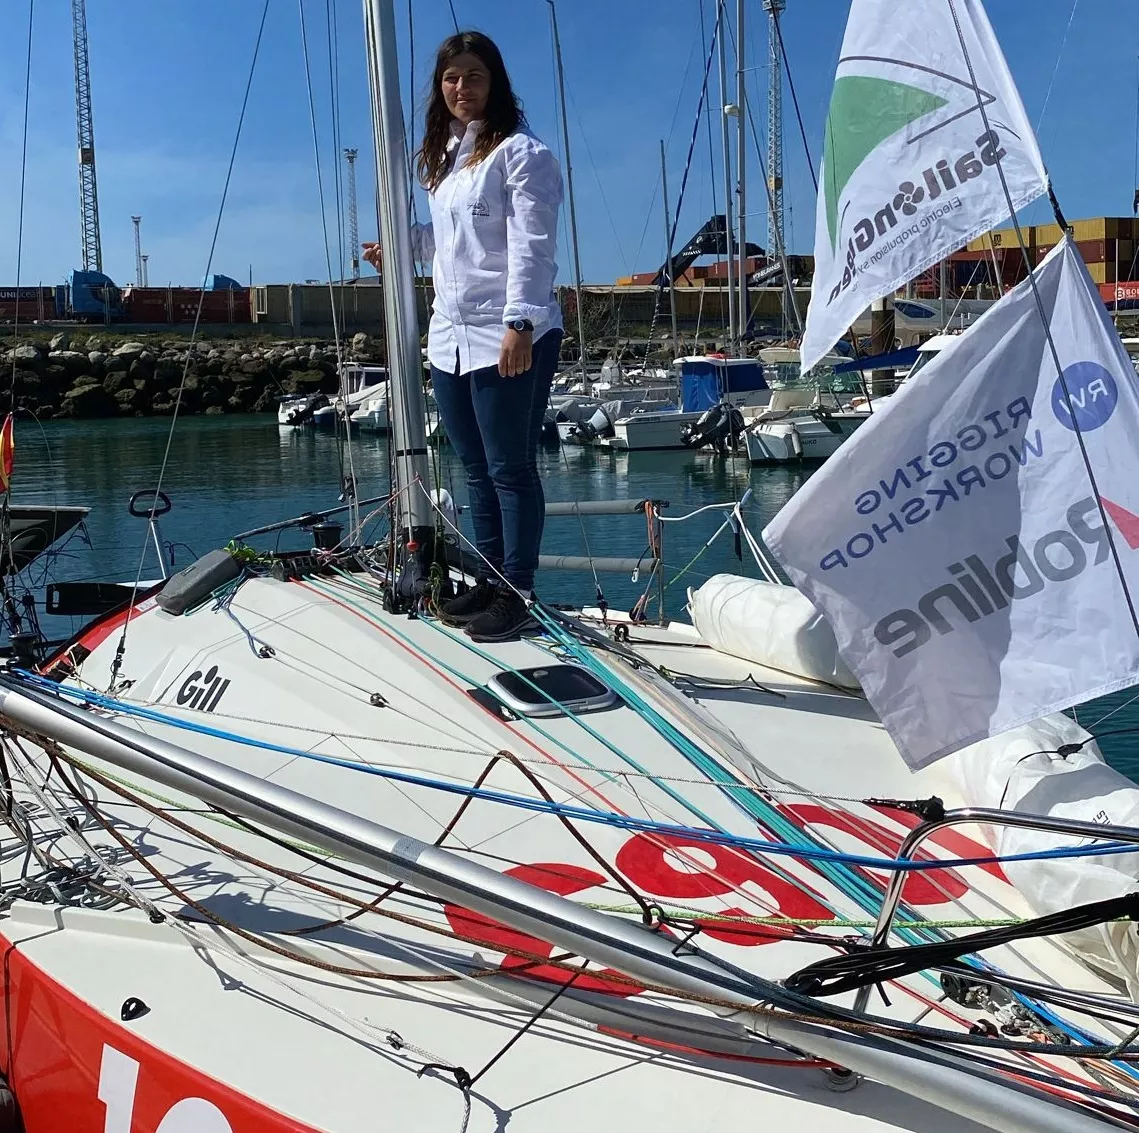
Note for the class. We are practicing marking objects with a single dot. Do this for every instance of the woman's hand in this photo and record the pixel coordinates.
(517, 353)
(374, 254)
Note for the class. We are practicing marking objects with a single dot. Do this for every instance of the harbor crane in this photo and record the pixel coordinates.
(88, 189)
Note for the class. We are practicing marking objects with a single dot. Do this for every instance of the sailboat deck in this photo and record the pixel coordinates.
(399, 739)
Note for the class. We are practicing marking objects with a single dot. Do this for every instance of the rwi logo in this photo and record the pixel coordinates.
(203, 691)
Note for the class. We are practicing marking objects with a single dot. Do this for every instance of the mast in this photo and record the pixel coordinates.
(409, 435)
(668, 253)
(741, 150)
(353, 215)
(774, 8)
(721, 20)
(569, 187)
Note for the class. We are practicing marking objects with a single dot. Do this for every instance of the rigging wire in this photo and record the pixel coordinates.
(348, 486)
(116, 664)
(1047, 326)
(590, 814)
(6, 508)
(1056, 68)
(921, 1035)
(795, 101)
(454, 18)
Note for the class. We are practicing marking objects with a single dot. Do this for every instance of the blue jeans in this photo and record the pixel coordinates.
(494, 423)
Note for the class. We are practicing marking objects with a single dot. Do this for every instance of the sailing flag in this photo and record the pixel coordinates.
(909, 170)
(974, 578)
(7, 453)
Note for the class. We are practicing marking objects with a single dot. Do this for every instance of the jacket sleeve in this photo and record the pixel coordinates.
(533, 197)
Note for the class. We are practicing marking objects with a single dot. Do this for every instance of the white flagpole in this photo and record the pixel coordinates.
(1044, 317)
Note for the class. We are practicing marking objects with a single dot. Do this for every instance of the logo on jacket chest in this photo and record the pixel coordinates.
(477, 206)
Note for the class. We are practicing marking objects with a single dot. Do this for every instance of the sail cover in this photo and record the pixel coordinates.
(909, 171)
(956, 542)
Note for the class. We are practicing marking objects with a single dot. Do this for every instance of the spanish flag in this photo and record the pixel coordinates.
(7, 452)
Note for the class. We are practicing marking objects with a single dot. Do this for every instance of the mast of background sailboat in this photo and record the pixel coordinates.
(668, 252)
(741, 150)
(721, 36)
(401, 320)
(569, 187)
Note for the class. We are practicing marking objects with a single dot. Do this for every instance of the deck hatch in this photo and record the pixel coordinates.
(551, 690)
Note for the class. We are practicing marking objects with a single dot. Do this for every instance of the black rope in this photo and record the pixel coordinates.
(874, 966)
(530, 1022)
(795, 101)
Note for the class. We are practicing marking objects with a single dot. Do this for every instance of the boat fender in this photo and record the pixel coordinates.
(770, 624)
(194, 584)
(796, 440)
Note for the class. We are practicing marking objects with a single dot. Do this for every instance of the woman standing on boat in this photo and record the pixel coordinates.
(496, 327)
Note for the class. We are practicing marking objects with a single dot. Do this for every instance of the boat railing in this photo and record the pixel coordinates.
(653, 559)
(1096, 831)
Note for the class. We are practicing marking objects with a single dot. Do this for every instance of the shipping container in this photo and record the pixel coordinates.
(28, 304)
(1125, 296)
(180, 305)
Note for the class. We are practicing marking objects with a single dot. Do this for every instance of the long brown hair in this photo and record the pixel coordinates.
(502, 118)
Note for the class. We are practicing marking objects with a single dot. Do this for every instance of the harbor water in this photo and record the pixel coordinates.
(225, 475)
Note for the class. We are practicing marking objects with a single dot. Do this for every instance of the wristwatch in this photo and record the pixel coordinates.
(521, 325)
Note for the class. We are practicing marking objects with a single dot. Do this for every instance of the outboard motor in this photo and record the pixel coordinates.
(736, 426)
(705, 429)
(600, 424)
(303, 413)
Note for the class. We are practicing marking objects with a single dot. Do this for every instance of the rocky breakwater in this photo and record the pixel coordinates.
(103, 376)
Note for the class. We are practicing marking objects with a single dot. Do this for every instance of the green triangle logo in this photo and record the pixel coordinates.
(864, 112)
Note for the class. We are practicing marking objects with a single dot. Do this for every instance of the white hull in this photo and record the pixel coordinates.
(800, 437)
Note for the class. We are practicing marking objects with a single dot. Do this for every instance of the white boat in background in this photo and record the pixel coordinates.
(358, 384)
(701, 382)
(782, 437)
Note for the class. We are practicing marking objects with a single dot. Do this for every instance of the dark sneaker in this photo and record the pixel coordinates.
(477, 600)
(506, 618)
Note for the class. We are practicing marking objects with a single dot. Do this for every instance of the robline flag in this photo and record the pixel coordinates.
(955, 542)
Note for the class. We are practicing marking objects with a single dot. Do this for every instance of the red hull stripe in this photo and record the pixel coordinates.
(69, 1065)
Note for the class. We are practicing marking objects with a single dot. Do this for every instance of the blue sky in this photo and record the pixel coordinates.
(168, 77)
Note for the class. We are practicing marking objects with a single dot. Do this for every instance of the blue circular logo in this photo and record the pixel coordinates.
(1091, 397)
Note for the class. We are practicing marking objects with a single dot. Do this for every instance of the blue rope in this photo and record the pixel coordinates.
(584, 814)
